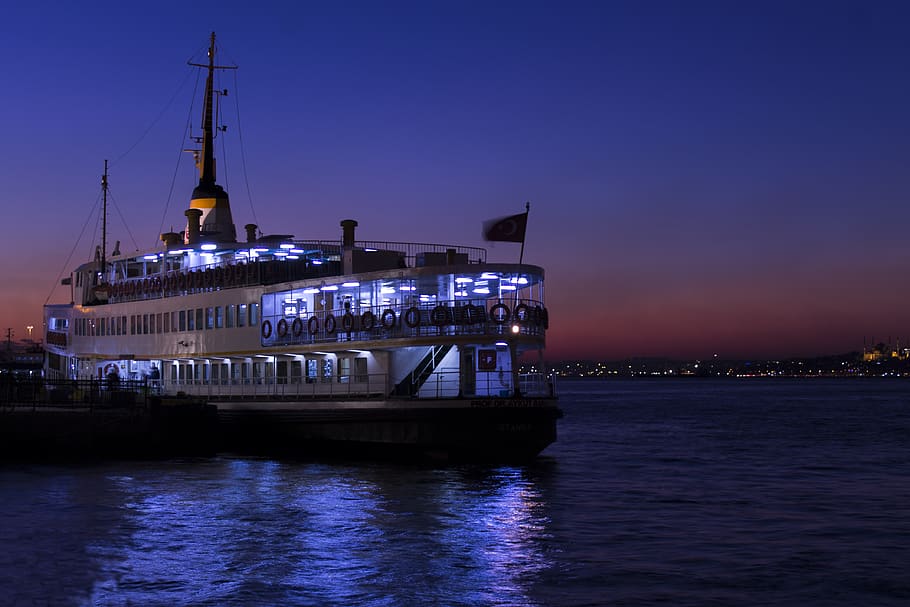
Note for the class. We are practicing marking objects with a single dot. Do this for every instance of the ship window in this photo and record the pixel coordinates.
(327, 370)
(183, 320)
(254, 314)
(190, 320)
(241, 315)
(229, 316)
(200, 318)
(219, 317)
(360, 370)
(210, 318)
(153, 326)
(344, 369)
(132, 324)
(296, 369)
(167, 322)
(145, 324)
(312, 370)
(100, 327)
(281, 372)
(161, 328)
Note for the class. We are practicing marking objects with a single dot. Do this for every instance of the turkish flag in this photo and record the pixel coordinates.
(508, 229)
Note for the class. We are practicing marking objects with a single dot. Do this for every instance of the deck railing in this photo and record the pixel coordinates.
(74, 394)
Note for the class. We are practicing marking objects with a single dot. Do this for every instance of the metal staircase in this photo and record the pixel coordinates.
(410, 385)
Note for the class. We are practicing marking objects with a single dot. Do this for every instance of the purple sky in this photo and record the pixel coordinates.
(704, 177)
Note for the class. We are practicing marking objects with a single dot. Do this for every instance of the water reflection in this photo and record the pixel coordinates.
(246, 531)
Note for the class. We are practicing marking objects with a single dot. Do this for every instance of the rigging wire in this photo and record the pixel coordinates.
(66, 263)
(110, 197)
(186, 131)
(246, 179)
(155, 121)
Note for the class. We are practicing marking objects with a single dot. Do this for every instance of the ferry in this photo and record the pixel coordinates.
(305, 346)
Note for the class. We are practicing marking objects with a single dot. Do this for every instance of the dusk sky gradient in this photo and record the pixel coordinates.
(705, 178)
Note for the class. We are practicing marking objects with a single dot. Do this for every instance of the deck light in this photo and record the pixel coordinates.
(208, 247)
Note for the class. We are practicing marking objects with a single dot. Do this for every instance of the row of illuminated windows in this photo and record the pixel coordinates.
(295, 371)
(194, 319)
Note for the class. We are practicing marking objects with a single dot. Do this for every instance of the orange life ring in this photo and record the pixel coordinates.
(312, 325)
(500, 314)
(522, 313)
(412, 317)
(266, 329)
(330, 324)
(471, 314)
(347, 322)
(439, 315)
(388, 318)
(282, 328)
(367, 321)
(297, 327)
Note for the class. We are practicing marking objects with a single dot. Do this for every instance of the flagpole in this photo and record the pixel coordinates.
(522, 254)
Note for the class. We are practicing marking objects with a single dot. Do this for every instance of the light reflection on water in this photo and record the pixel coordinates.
(246, 531)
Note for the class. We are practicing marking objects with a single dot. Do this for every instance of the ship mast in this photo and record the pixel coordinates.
(207, 166)
(104, 222)
(209, 215)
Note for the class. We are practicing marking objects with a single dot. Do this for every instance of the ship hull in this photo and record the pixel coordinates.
(488, 430)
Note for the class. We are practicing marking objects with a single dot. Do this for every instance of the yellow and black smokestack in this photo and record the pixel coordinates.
(216, 223)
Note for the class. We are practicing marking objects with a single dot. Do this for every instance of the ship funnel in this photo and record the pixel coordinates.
(193, 217)
(250, 232)
(347, 245)
(170, 239)
(347, 232)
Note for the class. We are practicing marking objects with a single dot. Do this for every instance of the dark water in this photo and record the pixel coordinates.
(671, 492)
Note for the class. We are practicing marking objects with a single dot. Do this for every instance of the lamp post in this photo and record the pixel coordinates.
(29, 328)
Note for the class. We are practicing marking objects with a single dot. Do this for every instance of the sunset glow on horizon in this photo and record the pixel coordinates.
(703, 179)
